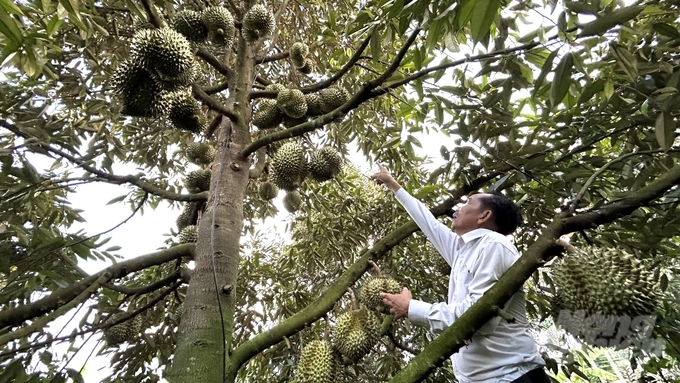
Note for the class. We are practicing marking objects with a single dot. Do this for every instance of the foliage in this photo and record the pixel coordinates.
(570, 107)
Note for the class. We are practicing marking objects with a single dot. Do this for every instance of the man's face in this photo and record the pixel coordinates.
(467, 217)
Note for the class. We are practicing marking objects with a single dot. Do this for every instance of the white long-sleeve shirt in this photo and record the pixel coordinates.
(499, 351)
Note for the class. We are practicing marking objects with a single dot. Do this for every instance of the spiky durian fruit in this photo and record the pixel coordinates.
(289, 166)
(298, 54)
(139, 23)
(200, 153)
(275, 87)
(188, 235)
(186, 217)
(369, 294)
(186, 113)
(267, 191)
(317, 363)
(324, 164)
(116, 334)
(142, 95)
(292, 201)
(198, 181)
(313, 104)
(267, 115)
(292, 102)
(258, 23)
(163, 52)
(220, 24)
(605, 281)
(333, 97)
(307, 67)
(191, 25)
(356, 332)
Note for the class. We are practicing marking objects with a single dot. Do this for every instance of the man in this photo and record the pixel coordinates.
(479, 253)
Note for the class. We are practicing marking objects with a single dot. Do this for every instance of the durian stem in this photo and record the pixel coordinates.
(353, 298)
(567, 246)
(327, 330)
(288, 346)
(375, 267)
(503, 314)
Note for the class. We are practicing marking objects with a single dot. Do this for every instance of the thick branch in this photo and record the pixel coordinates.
(275, 57)
(112, 178)
(214, 104)
(325, 303)
(40, 323)
(217, 88)
(453, 338)
(17, 315)
(215, 63)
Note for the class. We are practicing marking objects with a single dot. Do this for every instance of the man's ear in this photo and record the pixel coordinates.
(484, 216)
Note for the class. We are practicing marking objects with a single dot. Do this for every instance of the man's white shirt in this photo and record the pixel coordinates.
(499, 351)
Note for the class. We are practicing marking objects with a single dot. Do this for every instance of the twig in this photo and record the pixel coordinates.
(374, 266)
(214, 104)
(139, 290)
(274, 57)
(397, 59)
(401, 346)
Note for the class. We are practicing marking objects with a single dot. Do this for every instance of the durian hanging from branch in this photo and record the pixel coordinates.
(258, 23)
(356, 331)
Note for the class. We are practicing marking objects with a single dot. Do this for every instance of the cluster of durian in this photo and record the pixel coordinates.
(258, 23)
(299, 55)
(292, 107)
(289, 167)
(153, 81)
(123, 332)
(356, 332)
(213, 25)
(189, 215)
(606, 281)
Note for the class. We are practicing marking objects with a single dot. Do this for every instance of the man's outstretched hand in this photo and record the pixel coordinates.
(398, 303)
(383, 177)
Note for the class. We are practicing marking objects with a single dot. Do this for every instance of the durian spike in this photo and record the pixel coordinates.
(353, 299)
(375, 267)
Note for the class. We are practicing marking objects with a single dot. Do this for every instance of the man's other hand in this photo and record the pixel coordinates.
(398, 303)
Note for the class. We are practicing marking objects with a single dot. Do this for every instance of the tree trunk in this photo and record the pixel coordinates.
(205, 335)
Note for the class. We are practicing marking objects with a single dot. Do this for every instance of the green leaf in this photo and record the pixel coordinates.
(50, 245)
(606, 22)
(666, 30)
(590, 90)
(376, 44)
(117, 199)
(10, 7)
(545, 69)
(46, 358)
(626, 61)
(425, 191)
(113, 248)
(9, 27)
(562, 81)
(464, 14)
(392, 143)
(483, 14)
(665, 130)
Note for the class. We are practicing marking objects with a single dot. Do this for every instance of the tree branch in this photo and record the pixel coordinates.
(453, 338)
(40, 323)
(111, 178)
(327, 300)
(261, 161)
(214, 104)
(139, 290)
(215, 63)
(17, 315)
(217, 88)
(274, 57)
(397, 60)
(401, 346)
(150, 9)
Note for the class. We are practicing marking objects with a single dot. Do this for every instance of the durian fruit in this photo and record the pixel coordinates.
(268, 191)
(333, 97)
(163, 52)
(139, 23)
(292, 201)
(289, 166)
(123, 332)
(292, 102)
(191, 25)
(608, 283)
(267, 115)
(275, 87)
(298, 54)
(185, 218)
(369, 294)
(324, 164)
(176, 312)
(220, 24)
(317, 364)
(313, 104)
(307, 67)
(188, 235)
(186, 113)
(198, 181)
(141, 94)
(200, 153)
(258, 23)
(356, 332)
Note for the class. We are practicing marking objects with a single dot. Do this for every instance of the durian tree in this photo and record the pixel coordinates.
(570, 107)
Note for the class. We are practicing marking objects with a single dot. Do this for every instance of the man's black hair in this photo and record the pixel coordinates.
(505, 213)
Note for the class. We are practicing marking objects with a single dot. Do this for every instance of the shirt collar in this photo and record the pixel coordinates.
(474, 234)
